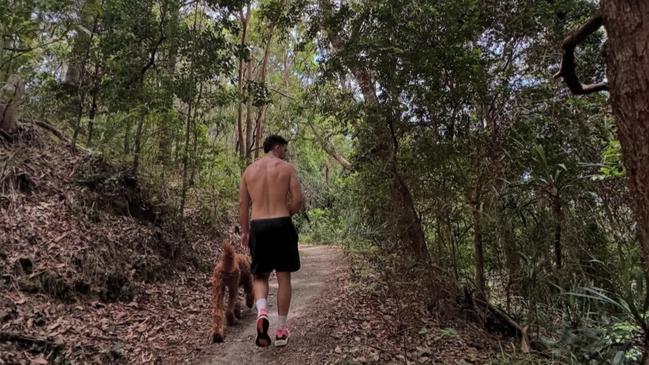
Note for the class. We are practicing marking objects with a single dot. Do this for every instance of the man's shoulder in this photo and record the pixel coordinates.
(250, 168)
(286, 166)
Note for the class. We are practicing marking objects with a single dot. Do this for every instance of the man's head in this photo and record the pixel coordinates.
(276, 145)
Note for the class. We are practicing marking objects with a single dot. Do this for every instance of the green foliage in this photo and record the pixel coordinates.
(449, 100)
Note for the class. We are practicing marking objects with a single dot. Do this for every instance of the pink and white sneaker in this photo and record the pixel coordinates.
(262, 340)
(281, 336)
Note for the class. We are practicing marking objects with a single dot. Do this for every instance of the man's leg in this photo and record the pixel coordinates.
(260, 287)
(283, 304)
(283, 294)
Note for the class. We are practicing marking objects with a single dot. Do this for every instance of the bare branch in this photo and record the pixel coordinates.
(329, 148)
(567, 70)
(281, 93)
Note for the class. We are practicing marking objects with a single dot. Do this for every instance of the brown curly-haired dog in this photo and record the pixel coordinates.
(231, 271)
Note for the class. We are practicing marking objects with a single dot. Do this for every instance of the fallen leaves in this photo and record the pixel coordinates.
(383, 323)
(69, 253)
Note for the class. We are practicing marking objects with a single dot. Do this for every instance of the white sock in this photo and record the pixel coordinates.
(282, 321)
(261, 304)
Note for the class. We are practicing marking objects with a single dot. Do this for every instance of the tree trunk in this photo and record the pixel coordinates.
(407, 217)
(8, 117)
(261, 117)
(93, 106)
(478, 247)
(127, 142)
(138, 143)
(79, 70)
(627, 70)
(556, 214)
(286, 73)
(188, 123)
(192, 176)
(244, 32)
(81, 44)
(506, 242)
(627, 61)
(249, 116)
(166, 132)
(77, 122)
(11, 92)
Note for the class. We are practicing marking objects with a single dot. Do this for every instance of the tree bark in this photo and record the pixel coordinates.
(93, 106)
(138, 142)
(627, 70)
(627, 61)
(384, 123)
(188, 123)
(261, 116)
(194, 166)
(80, 73)
(244, 32)
(10, 95)
(249, 115)
(166, 133)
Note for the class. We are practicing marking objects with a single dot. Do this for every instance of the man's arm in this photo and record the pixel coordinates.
(296, 193)
(244, 211)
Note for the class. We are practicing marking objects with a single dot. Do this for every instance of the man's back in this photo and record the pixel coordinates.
(268, 182)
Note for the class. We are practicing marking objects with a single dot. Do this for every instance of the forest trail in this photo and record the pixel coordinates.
(318, 265)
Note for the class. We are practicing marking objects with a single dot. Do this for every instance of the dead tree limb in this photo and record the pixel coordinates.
(329, 149)
(568, 65)
(55, 131)
(16, 337)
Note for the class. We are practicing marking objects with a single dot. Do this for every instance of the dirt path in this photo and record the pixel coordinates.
(318, 263)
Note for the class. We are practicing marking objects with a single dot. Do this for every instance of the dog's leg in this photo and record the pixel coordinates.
(246, 283)
(218, 291)
(237, 308)
(233, 298)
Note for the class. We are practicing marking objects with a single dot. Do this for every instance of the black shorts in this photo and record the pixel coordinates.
(273, 245)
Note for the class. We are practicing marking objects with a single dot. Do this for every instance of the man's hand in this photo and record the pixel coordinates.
(245, 238)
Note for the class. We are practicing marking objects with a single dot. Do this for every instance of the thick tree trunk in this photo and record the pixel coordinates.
(8, 117)
(627, 70)
(10, 96)
(627, 59)
(407, 216)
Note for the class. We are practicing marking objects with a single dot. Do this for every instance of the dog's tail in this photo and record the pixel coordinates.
(228, 257)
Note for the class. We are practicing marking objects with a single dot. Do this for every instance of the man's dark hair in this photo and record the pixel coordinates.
(273, 140)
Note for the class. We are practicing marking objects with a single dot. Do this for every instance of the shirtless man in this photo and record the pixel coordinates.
(267, 184)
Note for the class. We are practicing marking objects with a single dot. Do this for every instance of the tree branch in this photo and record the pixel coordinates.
(281, 93)
(28, 340)
(329, 149)
(567, 70)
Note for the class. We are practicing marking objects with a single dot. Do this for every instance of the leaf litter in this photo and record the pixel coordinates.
(85, 278)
